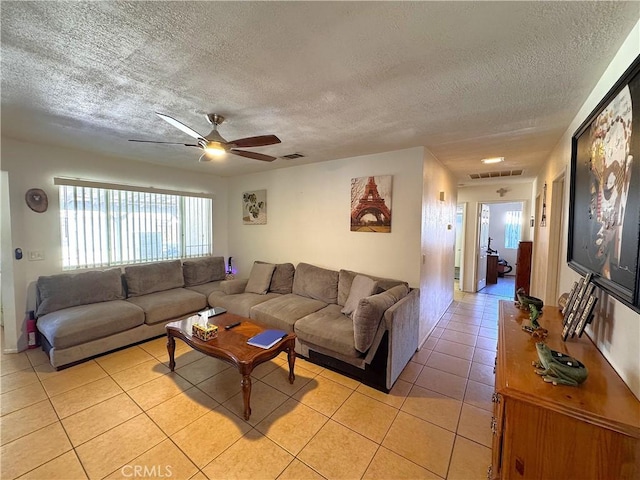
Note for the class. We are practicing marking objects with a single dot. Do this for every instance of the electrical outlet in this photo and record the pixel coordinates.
(36, 255)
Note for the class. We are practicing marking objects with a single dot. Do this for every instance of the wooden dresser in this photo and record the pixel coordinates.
(544, 431)
(523, 267)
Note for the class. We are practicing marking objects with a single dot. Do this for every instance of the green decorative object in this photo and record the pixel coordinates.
(525, 300)
(558, 368)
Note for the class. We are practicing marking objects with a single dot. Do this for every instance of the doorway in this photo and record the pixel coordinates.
(458, 275)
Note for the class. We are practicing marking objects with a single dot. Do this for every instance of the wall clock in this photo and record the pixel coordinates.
(37, 200)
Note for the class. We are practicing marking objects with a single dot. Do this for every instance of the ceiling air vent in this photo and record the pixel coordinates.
(503, 173)
(293, 156)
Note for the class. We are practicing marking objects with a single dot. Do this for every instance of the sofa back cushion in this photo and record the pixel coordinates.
(153, 277)
(361, 287)
(260, 278)
(315, 282)
(369, 312)
(203, 270)
(282, 279)
(66, 290)
(346, 279)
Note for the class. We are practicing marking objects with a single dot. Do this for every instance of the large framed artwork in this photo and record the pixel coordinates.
(604, 208)
(254, 207)
(371, 204)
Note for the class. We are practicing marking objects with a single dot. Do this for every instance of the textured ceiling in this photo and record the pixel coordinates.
(332, 79)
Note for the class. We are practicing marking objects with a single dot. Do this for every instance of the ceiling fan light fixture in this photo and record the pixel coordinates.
(214, 149)
(492, 160)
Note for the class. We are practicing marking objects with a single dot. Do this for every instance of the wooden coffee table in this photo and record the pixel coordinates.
(231, 346)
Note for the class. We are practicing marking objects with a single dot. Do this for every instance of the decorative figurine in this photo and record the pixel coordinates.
(558, 368)
(534, 328)
(525, 300)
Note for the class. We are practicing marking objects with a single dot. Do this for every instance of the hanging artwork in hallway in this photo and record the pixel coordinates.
(371, 204)
(254, 207)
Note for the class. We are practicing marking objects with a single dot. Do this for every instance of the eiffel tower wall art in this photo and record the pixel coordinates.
(371, 204)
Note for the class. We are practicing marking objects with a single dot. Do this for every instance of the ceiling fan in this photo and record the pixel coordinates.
(214, 145)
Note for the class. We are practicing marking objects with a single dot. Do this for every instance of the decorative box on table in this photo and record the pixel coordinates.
(204, 331)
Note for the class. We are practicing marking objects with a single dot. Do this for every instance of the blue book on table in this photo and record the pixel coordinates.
(267, 339)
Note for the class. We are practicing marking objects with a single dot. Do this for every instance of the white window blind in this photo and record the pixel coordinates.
(512, 229)
(116, 226)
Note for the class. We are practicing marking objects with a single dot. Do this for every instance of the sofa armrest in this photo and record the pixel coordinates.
(401, 320)
(233, 287)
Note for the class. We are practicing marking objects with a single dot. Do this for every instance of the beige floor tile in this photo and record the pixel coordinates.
(253, 456)
(139, 374)
(454, 349)
(163, 461)
(99, 418)
(65, 467)
(449, 363)
(223, 386)
(341, 379)
(78, 399)
(487, 343)
(299, 471)
(433, 407)
(46, 370)
(366, 416)
(463, 327)
(312, 367)
(179, 411)
(338, 453)
(266, 368)
(437, 332)
(430, 343)
(459, 337)
(21, 397)
(199, 476)
(118, 446)
(465, 318)
(394, 398)
(37, 356)
(182, 355)
(198, 440)
(201, 369)
(264, 400)
(323, 395)
(488, 332)
(479, 395)
(475, 424)
(13, 362)
(18, 379)
(420, 442)
(123, 359)
(469, 460)
(279, 379)
(387, 465)
(421, 356)
(442, 382)
(73, 377)
(292, 425)
(411, 372)
(26, 420)
(33, 450)
(491, 322)
(158, 346)
(482, 373)
(159, 390)
(486, 357)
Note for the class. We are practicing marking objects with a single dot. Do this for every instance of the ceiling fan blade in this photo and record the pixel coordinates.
(188, 130)
(259, 141)
(253, 155)
(167, 143)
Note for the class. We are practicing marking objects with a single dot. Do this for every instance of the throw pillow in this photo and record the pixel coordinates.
(260, 278)
(361, 287)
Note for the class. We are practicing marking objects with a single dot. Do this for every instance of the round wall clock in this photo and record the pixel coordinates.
(37, 200)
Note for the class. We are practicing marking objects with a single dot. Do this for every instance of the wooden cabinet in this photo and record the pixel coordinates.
(544, 431)
(492, 269)
(523, 267)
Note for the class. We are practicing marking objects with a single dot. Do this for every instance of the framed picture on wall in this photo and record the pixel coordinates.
(604, 208)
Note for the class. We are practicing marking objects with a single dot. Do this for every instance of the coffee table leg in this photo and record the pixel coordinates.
(246, 395)
(171, 348)
(291, 353)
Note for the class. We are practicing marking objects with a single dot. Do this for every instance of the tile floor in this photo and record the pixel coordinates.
(125, 415)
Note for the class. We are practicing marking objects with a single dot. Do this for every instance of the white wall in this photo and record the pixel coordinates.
(34, 166)
(616, 328)
(308, 217)
(497, 226)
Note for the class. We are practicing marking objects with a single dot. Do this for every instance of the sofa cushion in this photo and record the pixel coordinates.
(346, 278)
(282, 279)
(328, 328)
(315, 282)
(206, 288)
(282, 312)
(65, 290)
(169, 304)
(368, 313)
(153, 277)
(239, 304)
(361, 287)
(203, 270)
(76, 325)
(260, 278)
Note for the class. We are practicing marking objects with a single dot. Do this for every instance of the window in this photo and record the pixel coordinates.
(101, 226)
(512, 229)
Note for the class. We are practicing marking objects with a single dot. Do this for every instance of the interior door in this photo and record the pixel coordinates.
(483, 244)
